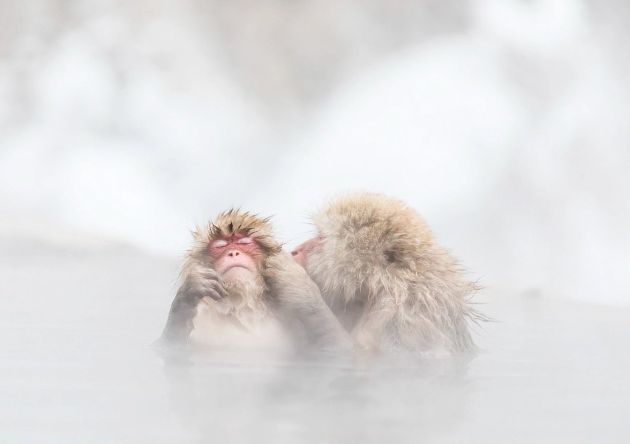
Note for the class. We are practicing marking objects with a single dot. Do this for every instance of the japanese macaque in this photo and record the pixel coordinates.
(381, 272)
(224, 299)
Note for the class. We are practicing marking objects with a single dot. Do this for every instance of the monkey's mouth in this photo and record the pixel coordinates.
(231, 267)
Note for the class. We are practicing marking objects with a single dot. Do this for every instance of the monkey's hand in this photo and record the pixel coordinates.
(202, 281)
(288, 281)
(199, 282)
(300, 304)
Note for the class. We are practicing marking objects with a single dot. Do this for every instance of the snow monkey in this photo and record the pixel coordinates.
(224, 301)
(383, 275)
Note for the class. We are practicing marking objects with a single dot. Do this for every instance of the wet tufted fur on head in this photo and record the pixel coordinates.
(233, 222)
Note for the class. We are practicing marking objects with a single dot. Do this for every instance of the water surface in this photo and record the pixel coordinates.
(77, 365)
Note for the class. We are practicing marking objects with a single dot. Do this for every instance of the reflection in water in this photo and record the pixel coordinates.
(248, 395)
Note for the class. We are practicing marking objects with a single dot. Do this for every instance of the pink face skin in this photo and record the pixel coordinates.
(234, 257)
(301, 252)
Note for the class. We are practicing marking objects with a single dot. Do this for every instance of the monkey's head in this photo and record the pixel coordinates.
(364, 243)
(235, 244)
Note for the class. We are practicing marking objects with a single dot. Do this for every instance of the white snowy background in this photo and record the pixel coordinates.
(506, 123)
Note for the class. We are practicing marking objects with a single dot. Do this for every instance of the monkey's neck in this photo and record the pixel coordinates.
(246, 304)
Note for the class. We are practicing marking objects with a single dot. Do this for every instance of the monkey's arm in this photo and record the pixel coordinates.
(199, 281)
(371, 325)
(301, 306)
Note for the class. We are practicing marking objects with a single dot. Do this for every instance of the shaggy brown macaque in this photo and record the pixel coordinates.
(383, 275)
(224, 301)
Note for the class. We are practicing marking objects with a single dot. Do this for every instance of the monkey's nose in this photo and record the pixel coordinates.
(233, 253)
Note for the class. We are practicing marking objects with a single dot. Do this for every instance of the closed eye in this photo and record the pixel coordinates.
(219, 243)
(245, 240)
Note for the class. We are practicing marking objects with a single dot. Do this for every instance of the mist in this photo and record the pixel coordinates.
(122, 126)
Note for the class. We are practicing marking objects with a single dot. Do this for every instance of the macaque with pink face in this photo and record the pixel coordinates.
(385, 278)
(234, 257)
(238, 289)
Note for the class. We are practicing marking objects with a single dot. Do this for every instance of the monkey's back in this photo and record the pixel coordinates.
(381, 252)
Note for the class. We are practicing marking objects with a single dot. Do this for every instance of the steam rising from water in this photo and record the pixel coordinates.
(79, 366)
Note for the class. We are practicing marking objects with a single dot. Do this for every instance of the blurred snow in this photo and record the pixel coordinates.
(506, 126)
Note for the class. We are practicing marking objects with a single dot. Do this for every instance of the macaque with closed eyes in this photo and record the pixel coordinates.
(224, 299)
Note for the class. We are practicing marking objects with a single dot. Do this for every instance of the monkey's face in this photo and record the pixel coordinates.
(235, 257)
(302, 252)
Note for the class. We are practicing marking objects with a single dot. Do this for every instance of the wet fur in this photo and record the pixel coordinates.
(379, 257)
(281, 306)
(244, 314)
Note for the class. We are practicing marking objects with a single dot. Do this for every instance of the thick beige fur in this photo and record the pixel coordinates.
(243, 317)
(277, 306)
(378, 257)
